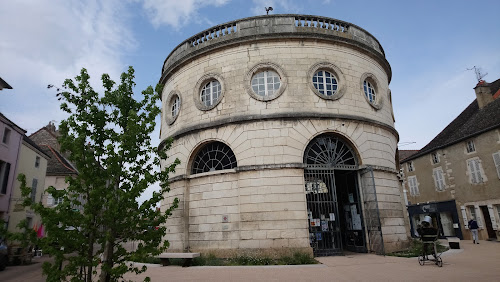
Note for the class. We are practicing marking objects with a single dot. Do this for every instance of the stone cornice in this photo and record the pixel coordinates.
(277, 116)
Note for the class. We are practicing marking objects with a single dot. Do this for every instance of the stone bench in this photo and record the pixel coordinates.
(188, 257)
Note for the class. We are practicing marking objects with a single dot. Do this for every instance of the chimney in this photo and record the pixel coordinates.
(484, 93)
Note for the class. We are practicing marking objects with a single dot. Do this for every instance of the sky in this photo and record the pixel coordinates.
(429, 44)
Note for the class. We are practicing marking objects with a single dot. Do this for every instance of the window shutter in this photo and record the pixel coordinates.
(492, 217)
(436, 181)
(478, 216)
(464, 216)
(472, 171)
(441, 180)
(50, 200)
(496, 160)
(34, 184)
(478, 171)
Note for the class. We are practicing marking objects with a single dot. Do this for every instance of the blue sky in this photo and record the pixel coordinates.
(429, 45)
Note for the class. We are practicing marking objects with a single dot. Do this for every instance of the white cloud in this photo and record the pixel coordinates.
(45, 42)
(177, 13)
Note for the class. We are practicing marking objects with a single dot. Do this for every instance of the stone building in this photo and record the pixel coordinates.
(58, 167)
(456, 176)
(285, 131)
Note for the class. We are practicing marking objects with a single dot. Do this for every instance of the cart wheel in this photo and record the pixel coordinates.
(439, 262)
(421, 260)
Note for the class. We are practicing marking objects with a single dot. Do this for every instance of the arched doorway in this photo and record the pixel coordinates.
(333, 197)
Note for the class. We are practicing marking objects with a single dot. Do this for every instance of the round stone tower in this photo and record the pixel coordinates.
(285, 131)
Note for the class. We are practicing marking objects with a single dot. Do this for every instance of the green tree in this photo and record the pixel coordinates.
(107, 138)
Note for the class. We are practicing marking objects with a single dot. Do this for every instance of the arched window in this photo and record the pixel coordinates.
(330, 151)
(213, 156)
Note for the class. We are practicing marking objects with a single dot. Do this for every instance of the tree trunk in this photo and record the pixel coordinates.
(107, 261)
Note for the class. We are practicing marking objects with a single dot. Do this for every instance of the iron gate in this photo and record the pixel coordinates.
(372, 215)
(324, 233)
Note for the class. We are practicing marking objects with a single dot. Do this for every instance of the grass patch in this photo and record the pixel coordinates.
(416, 249)
(211, 260)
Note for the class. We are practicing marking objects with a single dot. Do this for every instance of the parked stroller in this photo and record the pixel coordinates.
(429, 236)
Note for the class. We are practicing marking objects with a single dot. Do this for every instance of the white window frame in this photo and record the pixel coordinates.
(410, 166)
(496, 161)
(475, 171)
(470, 147)
(413, 185)
(333, 82)
(439, 182)
(211, 93)
(175, 106)
(435, 158)
(370, 92)
(269, 89)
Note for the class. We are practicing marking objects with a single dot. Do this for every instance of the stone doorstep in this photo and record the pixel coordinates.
(178, 255)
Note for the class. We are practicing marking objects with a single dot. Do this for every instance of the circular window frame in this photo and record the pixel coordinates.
(378, 103)
(333, 69)
(201, 83)
(170, 100)
(261, 67)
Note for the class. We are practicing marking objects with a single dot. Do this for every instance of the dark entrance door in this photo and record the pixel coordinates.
(487, 222)
(331, 187)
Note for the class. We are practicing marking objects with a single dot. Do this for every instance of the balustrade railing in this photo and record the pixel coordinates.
(215, 32)
(324, 23)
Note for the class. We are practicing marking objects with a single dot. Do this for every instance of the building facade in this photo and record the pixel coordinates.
(285, 132)
(10, 144)
(33, 164)
(456, 176)
(58, 167)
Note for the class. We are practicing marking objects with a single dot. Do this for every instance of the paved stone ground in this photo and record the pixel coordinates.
(471, 263)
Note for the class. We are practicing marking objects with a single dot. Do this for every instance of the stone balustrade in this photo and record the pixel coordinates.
(272, 27)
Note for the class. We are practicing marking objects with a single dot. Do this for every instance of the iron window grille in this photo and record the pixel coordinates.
(212, 157)
(330, 151)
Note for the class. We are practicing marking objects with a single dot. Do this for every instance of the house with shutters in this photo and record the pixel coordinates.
(456, 177)
(58, 167)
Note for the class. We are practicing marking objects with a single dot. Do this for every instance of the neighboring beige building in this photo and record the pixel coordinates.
(285, 131)
(32, 163)
(457, 175)
(58, 167)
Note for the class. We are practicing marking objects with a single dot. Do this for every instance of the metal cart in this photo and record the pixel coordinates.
(430, 249)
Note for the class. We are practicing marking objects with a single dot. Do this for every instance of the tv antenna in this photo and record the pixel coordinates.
(268, 9)
(479, 74)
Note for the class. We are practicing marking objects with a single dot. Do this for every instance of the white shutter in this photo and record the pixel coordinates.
(496, 160)
(441, 180)
(436, 182)
(472, 171)
(478, 171)
(492, 217)
(50, 200)
(479, 219)
(464, 216)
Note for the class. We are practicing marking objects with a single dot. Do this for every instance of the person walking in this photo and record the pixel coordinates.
(473, 229)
